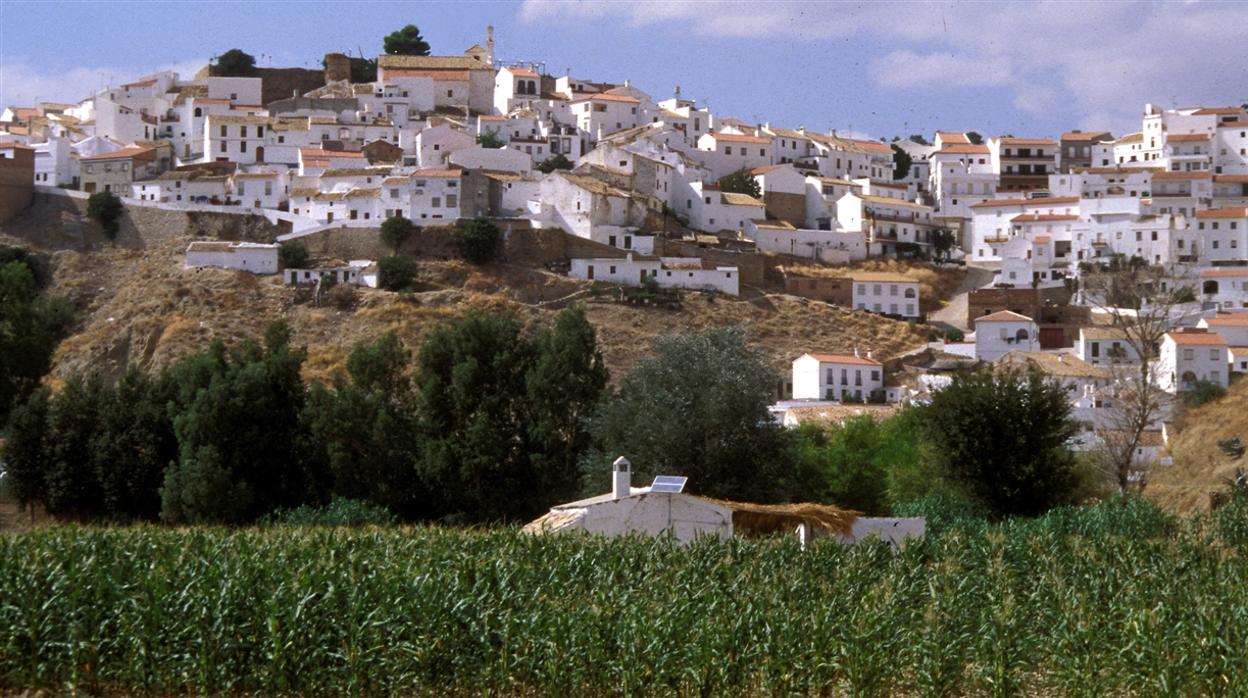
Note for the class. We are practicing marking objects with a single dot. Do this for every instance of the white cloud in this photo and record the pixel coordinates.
(22, 84)
(1082, 60)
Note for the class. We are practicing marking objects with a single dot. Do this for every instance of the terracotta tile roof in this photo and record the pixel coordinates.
(232, 119)
(211, 100)
(1003, 316)
(608, 98)
(1187, 137)
(522, 72)
(141, 83)
(1049, 201)
(1190, 338)
(1042, 239)
(1223, 273)
(133, 152)
(886, 201)
(883, 277)
(765, 169)
(393, 63)
(318, 153)
(1101, 332)
(963, 149)
(1228, 320)
(844, 359)
(734, 199)
(738, 138)
(437, 173)
(1239, 123)
(1061, 365)
(356, 172)
(15, 146)
(1231, 179)
(1219, 111)
(773, 225)
(304, 191)
(1132, 138)
(872, 146)
(1027, 141)
(1087, 136)
(1182, 175)
(1215, 213)
(436, 75)
(953, 137)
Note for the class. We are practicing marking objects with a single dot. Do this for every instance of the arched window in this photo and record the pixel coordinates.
(199, 112)
(1189, 379)
(1021, 335)
(1211, 287)
(909, 293)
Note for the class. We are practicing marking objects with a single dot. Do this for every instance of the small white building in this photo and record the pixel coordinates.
(1233, 327)
(828, 246)
(667, 272)
(254, 257)
(836, 376)
(1189, 356)
(889, 294)
(1105, 346)
(1002, 332)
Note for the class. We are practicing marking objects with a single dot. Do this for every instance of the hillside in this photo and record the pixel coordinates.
(1199, 465)
(138, 306)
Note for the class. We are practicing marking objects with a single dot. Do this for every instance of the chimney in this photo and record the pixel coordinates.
(855, 352)
(621, 478)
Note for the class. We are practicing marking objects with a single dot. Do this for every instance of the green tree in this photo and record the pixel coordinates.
(366, 424)
(293, 255)
(239, 431)
(406, 42)
(395, 273)
(396, 231)
(558, 161)
(501, 414)
(974, 138)
(30, 326)
(1202, 391)
(72, 488)
(1003, 437)
(741, 182)
(235, 63)
(489, 139)
(901, 162)
(105, 208)
(25, 449)
(477, 240)
(132, 445)
(698, 407)
(943, 241)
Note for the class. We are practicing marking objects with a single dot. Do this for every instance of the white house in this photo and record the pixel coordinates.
(1105, 346)
(828, 246)
(819, 376)
(500, 159)
(725, 153)
(1189, 356)
(1003, 332)
(1225, 287)
(667, 272)
(713, 210)
(434, 194)
(435, 143)
(1233, 327)
(254, 257)
(890, 294)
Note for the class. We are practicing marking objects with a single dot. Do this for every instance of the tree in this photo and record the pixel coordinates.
(242, 451)
(105, 208)
(132, 444)
(558, 161)
(293, 255)
(69, 476)
(395, 273)
(30, 327)
(901, 162)
(477, 240)
(406, 42)
(365, 423)
(698, 407)
(741, 182)
(1002, 436)
(489, 139)
(943, 241)
(845, 455)
(235, 63)
(25, 449)
(1142, 304)
(396, 231)
(500, 415)
(974, 137)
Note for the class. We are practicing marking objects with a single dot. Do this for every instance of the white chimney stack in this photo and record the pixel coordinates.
(621, 478)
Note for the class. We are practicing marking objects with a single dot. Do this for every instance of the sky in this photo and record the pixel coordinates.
(878, 69)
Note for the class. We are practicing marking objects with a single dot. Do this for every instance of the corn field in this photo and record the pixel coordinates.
(1007, 610)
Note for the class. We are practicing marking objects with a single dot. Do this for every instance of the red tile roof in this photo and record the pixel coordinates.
(609, 98)
(131, 152)
(1228, 320)
(844, 359)
(1037, 217)
(438, 173)
(1223, 273)
(1049, 201)
(306, 153)
(963, 149)
(1186, 137)
(737, 138)
(1003, 316)
(1236, 212)
(436, 75)
(1182, 175)
(1196, 338)
(1087, 136)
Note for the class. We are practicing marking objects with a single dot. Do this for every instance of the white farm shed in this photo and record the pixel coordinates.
(254, 257)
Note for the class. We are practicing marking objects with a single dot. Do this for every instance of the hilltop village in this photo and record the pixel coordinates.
(1118, 265)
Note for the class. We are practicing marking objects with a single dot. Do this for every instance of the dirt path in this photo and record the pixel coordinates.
(954, 312)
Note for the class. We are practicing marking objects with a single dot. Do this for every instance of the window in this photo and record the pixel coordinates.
(1189, 354)
(436, 202)
(1214, 355)
(223, 130)
(452, 201)
(242, 131)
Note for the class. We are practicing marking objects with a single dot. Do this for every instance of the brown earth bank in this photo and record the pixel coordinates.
(137, 306)
(1200, 467)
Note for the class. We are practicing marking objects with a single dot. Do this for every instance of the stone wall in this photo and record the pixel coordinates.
(17, 182)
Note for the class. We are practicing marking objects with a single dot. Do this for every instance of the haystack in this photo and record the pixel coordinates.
(762, 519)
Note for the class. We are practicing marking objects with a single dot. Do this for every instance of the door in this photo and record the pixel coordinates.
(331, 217)
(589, 274)
(260, 153)
(89, 187)
(643, 276)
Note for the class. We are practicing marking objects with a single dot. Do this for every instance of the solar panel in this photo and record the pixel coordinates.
(671, 484)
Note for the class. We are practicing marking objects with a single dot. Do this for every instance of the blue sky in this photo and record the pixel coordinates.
(881, 69)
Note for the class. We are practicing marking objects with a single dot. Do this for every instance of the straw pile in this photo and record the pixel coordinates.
(762, 519)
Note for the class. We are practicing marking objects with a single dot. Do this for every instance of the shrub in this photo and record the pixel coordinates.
(339, 512)
(341, 296)
(953, 334)
(477, 240)
(1202, 392)
(946, 512)
(105, 208)
(235, 63)
(489, 139)
(292, 255)
(558, 161)
(396, 231)
(395, 273)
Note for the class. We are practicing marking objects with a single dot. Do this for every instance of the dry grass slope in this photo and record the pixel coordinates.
(1199, 465)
